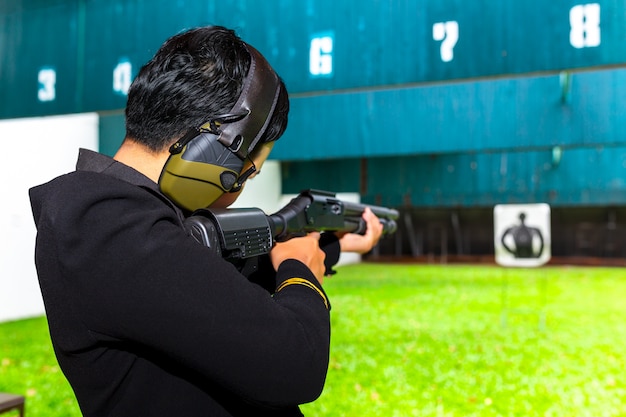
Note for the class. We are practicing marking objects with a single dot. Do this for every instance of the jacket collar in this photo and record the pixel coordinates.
(89, 160)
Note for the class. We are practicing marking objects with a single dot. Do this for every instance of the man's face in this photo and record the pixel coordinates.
(256, 159)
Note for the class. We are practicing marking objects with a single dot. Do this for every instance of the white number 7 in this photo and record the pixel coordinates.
(448, 33)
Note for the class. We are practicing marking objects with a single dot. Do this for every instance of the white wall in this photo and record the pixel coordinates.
(35, 150)
(264, 191)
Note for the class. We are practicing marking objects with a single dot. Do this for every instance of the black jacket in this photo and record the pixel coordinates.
(145, 321)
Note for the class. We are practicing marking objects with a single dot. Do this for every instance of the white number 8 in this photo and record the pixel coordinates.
(584, 20)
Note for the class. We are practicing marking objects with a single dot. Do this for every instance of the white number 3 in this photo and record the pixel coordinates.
(47, 78)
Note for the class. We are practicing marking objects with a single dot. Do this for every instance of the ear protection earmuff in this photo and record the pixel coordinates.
(207, 161)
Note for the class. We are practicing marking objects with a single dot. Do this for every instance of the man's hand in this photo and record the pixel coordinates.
(353, 242)
(304, 249)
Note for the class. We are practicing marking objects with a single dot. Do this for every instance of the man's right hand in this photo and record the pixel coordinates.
(304, 249)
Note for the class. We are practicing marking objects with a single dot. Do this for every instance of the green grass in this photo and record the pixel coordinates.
(28, 367)
(430, 340)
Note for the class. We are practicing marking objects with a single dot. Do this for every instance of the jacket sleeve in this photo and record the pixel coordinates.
(139, 280)
(263, 272)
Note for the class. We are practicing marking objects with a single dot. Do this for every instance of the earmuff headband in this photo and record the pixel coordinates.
(257, 102)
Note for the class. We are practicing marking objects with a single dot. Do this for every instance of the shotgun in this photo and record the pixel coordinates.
(241, 233)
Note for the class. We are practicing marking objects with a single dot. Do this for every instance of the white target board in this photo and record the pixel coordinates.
(522, 234)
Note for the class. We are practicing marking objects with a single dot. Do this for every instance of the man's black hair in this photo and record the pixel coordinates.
(194, 76)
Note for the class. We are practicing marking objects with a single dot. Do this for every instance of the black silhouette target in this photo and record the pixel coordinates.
(522, 234)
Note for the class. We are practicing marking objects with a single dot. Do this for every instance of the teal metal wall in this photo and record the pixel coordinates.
(581, 176)
(583, 109)
(534, 139)
(384, 118)
(66, 56)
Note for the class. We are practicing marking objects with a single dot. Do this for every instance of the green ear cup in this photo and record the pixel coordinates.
(192, 185)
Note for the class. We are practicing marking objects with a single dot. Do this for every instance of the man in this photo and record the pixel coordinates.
(144, 320)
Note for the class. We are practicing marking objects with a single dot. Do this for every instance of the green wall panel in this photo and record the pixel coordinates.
(331, 175)
(95, 47)
(520, 113)
(582, 176)
(370, 80)
(39, 57)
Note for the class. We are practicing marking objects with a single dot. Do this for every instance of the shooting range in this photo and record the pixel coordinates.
(495, 128)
